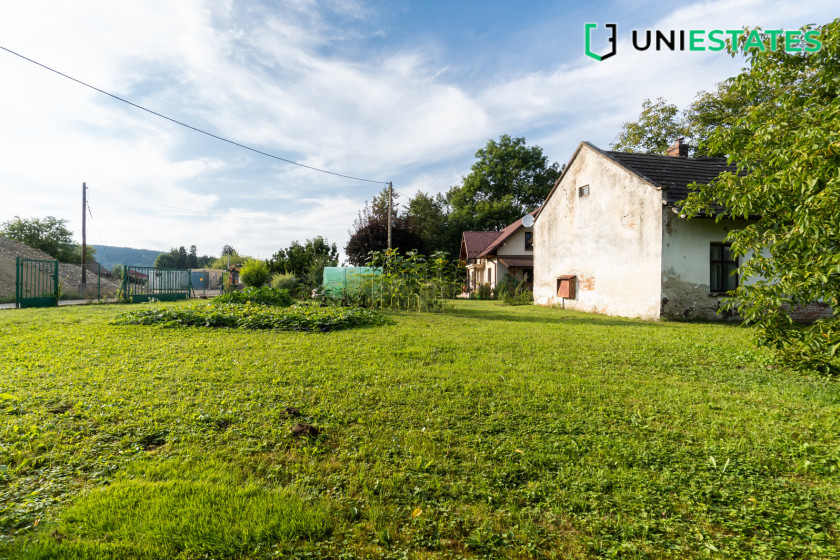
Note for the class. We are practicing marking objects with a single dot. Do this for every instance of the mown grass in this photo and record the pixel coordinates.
(488, 432)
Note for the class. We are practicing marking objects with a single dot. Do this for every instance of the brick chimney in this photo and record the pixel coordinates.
(678, 148)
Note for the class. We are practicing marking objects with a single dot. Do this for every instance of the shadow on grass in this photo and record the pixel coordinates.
(561, 316)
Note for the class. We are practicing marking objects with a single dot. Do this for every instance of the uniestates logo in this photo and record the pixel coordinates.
(702, 40)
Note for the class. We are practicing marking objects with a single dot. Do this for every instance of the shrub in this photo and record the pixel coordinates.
(287, 281)
(511, 292)
(254, 273)
(257, 296)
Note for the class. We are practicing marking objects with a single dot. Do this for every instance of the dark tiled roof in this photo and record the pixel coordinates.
(673, 174)
(473, 243)
(503, 236)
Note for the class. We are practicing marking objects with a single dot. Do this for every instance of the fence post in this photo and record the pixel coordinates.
(17, 282)
(122, 295)
(55, 281)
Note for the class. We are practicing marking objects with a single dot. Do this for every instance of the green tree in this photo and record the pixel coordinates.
(660, 124)
(192, 257)
(234, 258)
(254, 273)
(49, 235)
(507, 180)
(166, 260)
(181, 257)
(306, 261)
(711, 111)
(430, 216)
(787, 149)
(370, 231)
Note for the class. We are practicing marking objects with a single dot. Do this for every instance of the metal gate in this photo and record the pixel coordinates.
(36, 283)
(142, 283)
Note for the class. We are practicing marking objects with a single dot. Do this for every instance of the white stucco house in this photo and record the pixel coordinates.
(609, 238)
(491, 255)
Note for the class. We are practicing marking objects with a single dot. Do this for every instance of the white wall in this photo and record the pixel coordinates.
(610, 239)
(686, 265)
(515, 244)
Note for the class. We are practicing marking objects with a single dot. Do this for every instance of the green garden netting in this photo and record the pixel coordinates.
(347, 279)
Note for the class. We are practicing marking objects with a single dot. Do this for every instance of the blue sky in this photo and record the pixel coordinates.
(403, 91)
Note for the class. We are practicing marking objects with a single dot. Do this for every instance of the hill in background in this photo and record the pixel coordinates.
(109, 255)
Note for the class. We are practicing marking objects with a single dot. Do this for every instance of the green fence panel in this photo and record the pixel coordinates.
(142, 283)
(36, 283)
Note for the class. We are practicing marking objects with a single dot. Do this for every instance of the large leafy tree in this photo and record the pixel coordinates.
(49, 235)
(430, 216)
(787, 148)
(507, 180)
(659, 124)
(370, 230)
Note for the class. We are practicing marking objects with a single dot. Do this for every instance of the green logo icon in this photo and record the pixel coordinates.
(587, 33)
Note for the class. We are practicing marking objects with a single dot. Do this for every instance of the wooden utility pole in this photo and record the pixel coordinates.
(84, 238)
(390, 203)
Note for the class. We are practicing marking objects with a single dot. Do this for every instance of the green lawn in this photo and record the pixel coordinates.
(487, 432)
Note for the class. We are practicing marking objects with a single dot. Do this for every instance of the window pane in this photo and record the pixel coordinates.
(727, 256)
(716, 283)
(715, 252)
(731, 276)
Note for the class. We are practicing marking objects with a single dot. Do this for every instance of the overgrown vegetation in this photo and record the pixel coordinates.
(252, 308)
(257, 296)
(286, 281)
(303, 263)
(787, 152)
(405, 283)
(511, 291)
(487, 432)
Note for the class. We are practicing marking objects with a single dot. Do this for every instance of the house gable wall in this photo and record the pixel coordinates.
(611, 240)
(515, 244)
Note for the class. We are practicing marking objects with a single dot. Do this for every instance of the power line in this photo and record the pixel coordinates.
(99, 233)
(190, 126)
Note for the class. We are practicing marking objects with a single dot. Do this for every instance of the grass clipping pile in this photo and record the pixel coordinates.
(263, 308)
